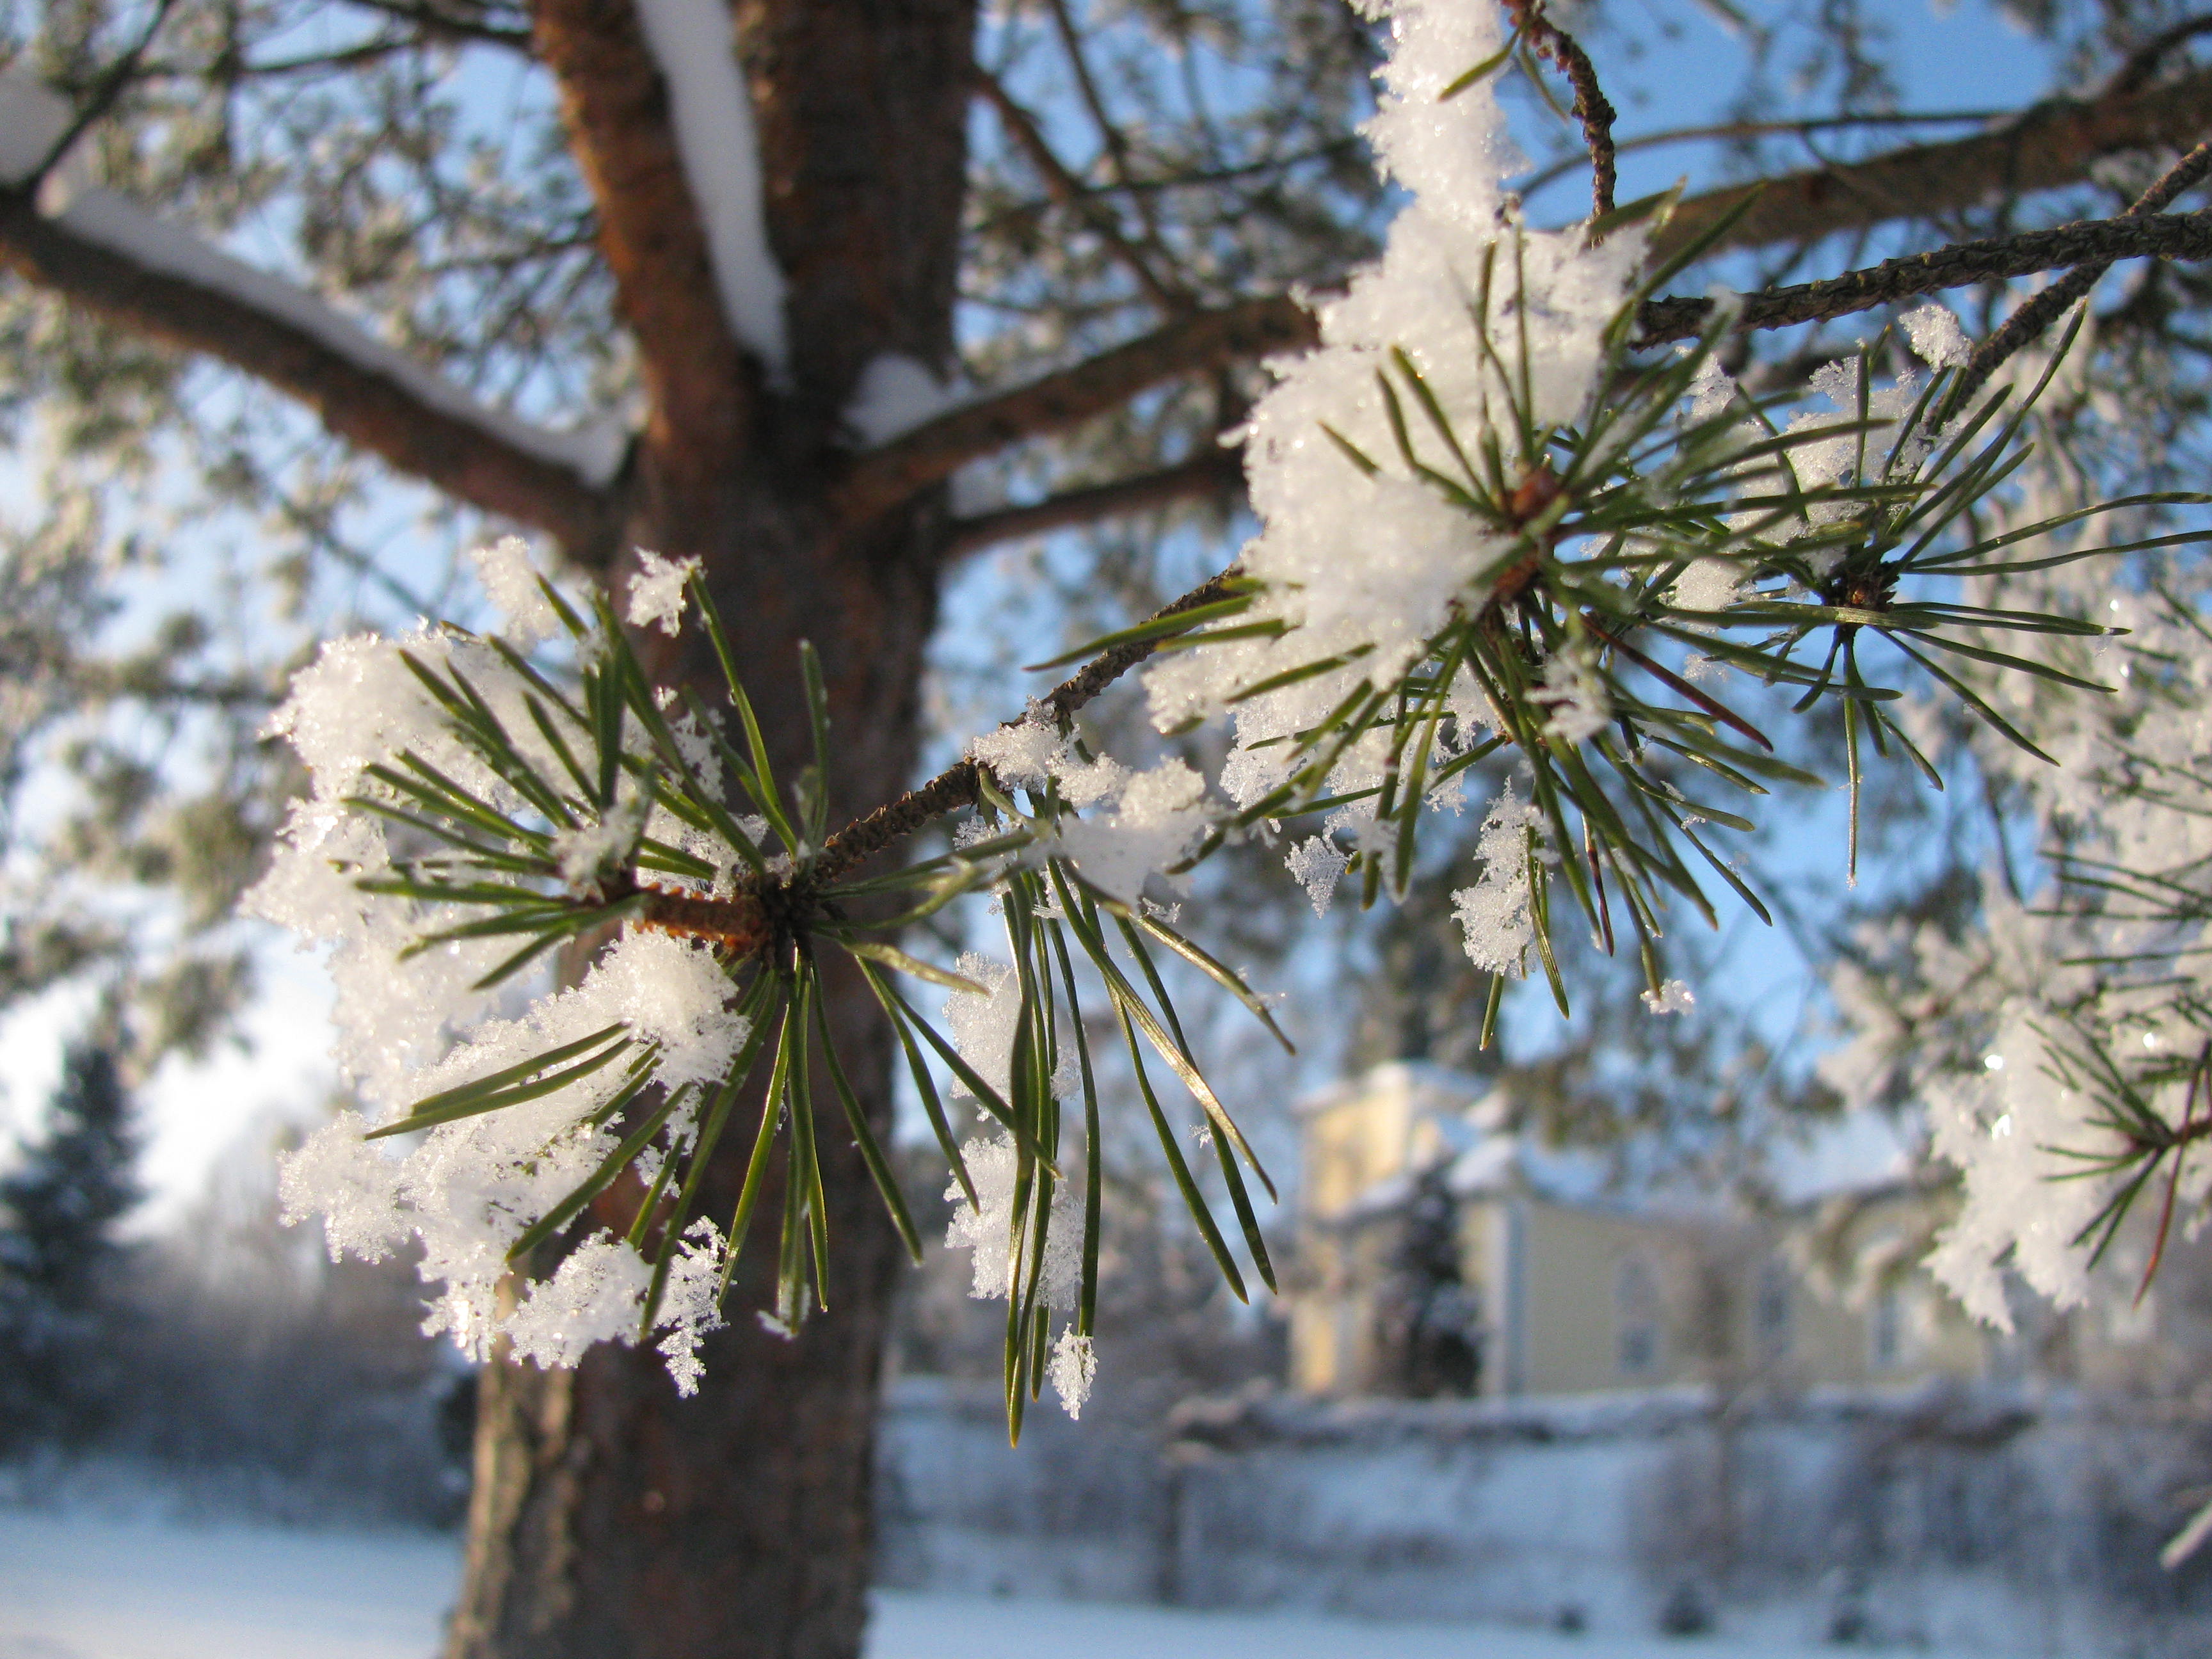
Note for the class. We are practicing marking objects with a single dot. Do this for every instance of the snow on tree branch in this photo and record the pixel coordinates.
(96, 247)
(692, 43)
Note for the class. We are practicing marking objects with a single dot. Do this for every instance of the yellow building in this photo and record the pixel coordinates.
(1440, 1252)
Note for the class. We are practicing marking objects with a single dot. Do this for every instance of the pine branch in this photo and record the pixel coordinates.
(383, 412)
(1212, 474)
(955, 787)
(933, 451)
(2048, 146)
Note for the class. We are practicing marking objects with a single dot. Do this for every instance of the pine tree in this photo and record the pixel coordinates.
(561, 310)
(59, 1253)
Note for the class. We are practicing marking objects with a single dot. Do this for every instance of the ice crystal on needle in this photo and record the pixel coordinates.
(656, 591)
(510, 582)
(1493, 914)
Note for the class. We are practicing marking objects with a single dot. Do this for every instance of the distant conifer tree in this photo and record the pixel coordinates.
(59, 1253)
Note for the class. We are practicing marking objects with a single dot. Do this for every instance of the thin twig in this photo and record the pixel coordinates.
(1065, 189)
(1109, 134)
(2028, 323)
(955, 787)
(1211, 473)
(113, 80)
(1592, 108)
(2144, 61)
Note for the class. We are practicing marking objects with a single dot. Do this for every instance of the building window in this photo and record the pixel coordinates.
(1885, 1328)
(1635, 1306)
(1771, 1312)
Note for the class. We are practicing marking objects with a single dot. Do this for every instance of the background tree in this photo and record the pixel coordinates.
(60, 1256)
(686, 278)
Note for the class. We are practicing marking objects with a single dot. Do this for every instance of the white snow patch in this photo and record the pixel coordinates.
(692, 42)
(896, 394)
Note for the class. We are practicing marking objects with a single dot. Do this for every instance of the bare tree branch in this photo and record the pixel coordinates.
(1592, 110)
(935, 450)
(2162, 235)
(1110, 133)
(434, 441)
(1065, 188)
(616, 106)
(2048, 146)
(1212, 473)
(454, 20)
(2031, 319)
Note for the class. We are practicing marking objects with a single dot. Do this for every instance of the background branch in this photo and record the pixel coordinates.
(2049, 145)
(1212, 473)
(2169, 236)
(438, 440)
(2039, 313)
(1065, 189)
(1052, 403)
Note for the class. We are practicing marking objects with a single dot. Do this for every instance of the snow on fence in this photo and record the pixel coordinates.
(1971, 1522)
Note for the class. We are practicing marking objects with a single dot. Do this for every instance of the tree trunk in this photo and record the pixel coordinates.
(611, 1520)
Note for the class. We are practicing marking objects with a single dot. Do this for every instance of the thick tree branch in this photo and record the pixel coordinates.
(2048, 146)
(1212, 473)
(616, 106)
(1066, 397)
(381, 407)
(2162, 235)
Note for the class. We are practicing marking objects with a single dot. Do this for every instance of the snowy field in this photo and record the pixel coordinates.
(79, 1586)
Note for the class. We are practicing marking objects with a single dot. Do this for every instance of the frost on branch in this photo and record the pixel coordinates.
(510, 582)
(1494, 913)
(983, 1027)
(418, 1025)
(2005, 1130)
(656, 591)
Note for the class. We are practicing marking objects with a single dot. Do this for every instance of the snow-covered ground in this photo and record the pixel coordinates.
(75, 1585)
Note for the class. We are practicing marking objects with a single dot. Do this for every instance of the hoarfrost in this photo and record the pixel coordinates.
(510, 582)
(1318, 864)
(1074, 1366)
(1937, 339)
(656, 591)
(987, 1229)
(1493, 914)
